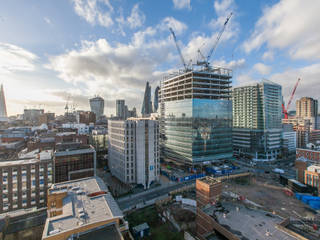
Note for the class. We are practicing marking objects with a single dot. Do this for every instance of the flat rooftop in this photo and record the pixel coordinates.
(248, 223)
(79, 208)
(28, 158)
(209, 180)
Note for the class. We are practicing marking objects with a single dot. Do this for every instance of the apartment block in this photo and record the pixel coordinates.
(133, 150)
(24, 181)
(257, 114)
(83, 209)
(74, 160)
(196, 116)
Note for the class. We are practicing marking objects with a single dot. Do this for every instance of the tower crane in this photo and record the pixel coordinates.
(285, 110)
(186, 68)
(205, 60)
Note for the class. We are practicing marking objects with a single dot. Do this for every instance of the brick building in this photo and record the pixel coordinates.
(24, 181)
(83, 209)
(311, 155)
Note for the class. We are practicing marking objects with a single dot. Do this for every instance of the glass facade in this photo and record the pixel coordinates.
(198, 130)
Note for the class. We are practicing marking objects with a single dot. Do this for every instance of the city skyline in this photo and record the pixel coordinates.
(57, 60)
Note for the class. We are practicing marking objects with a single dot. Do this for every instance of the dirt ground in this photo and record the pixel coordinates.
(270, 195)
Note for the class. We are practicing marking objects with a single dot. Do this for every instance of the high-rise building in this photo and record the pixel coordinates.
(306, 107)
(3, 107)
(156, 99)
(257, 117)
(196, 116)
(133, 150)
(120, 108)
(147, 103)
(97, 106)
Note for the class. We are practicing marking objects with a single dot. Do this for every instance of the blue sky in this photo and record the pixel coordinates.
(52, 50)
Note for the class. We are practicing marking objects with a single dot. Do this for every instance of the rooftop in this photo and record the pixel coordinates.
(28, 158)
(88, 201)
(247, 223)
(209, 180)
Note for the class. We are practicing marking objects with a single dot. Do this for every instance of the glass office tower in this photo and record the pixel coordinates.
(196, 117)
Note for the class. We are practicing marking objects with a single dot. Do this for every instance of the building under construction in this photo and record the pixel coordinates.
(196, 116)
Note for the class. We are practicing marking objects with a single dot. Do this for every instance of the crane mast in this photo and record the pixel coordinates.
(205, 60)
(179, 50)
(285, 110)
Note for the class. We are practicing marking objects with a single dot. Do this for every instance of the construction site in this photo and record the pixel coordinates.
(243, 206)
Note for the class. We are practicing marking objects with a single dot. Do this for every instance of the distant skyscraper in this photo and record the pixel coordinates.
(306, 107)
(257, 117)
(156, 99)
(147, 103)
(3, 107)
(120, 109)
(97, 106)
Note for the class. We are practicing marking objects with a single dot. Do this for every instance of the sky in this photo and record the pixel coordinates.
(54, 51)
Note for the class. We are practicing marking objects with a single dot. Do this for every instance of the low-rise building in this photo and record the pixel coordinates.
(74, 160)
(133, 150)
(312, 176)
(24, 181)
(309, 154)
(83, 209)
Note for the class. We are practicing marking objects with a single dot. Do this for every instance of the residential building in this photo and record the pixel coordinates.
(74, 160)
(97, 106)
(257, 117)
(302, 127)
(25, 180)
(83, 209)
(3, 106)
(196, 116)
(306, 107)
(147, 103)
(133, 150)
(120, 109)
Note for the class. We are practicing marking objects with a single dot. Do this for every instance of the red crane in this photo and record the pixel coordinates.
(285, 110)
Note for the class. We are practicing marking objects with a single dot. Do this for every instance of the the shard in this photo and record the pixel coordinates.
(3, 107)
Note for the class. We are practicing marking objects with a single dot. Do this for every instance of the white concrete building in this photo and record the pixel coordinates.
(133, 150)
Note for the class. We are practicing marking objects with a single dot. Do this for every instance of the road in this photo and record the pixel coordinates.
(133, 200)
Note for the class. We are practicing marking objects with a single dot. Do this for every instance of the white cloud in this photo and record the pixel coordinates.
(93, 11)
(115, 71)
(262, 68)
(47, 20)
(176, 25)
(181, 4)
(244, 79)
(221, 7)
(291, 25)
(137, 17)
(14, 58)
(268, 55)
(234, 64)
(309, 84)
